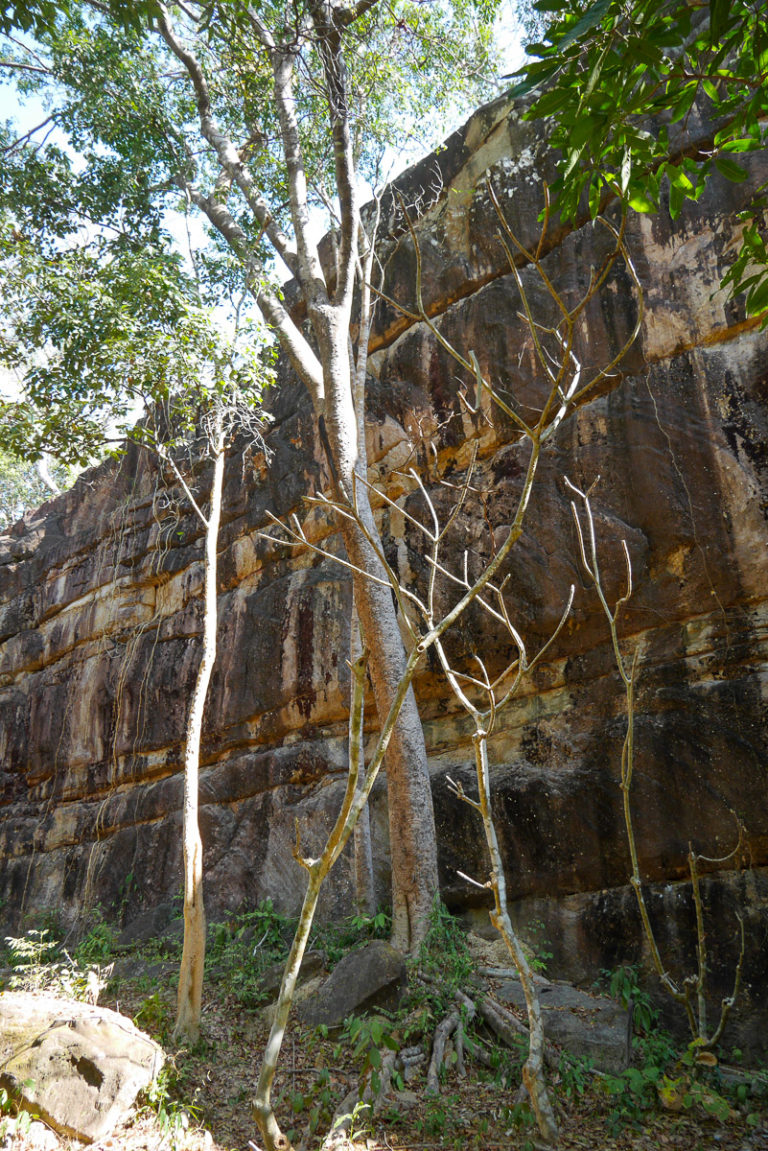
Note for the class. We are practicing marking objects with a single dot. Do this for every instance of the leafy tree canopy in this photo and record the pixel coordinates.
(648, 98)
(98, 308)
(23, 487)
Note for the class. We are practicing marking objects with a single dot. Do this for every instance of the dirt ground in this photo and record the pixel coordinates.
(204, 1101)
(208, 1108)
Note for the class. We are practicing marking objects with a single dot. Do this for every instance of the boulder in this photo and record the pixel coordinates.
(311, 965)
(374, 976)
(77, 1067)
(587, 1026)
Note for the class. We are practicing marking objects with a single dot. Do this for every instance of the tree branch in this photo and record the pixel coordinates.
(226, 152)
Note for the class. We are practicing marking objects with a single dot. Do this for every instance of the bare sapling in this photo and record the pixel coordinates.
(498, 692)
(190, 991)
(215, 425)
(690, 992)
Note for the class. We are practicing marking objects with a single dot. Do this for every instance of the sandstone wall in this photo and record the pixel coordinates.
(99, 607)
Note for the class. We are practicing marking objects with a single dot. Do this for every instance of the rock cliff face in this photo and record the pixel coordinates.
(99, 607)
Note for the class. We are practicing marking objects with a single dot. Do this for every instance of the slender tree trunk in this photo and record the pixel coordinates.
(413, 843)
(190, 994)
(533, 1068)
(364, 892)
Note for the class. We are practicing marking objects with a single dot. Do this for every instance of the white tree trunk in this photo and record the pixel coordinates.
(413, 843)
(190, 993)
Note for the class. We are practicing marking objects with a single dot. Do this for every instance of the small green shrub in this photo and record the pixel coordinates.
(40, 963)
(574, 1074)
(624, 986)
(537, 946)
(369, 1037)
(240, 950)
(174, 1116)
(335, 940)
(99, 943)
(154, 1017)
(438, 1118)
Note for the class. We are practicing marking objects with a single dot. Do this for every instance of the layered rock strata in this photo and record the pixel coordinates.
(100, 604)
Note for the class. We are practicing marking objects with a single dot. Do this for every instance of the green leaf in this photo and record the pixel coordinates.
(719, 11)
(682, 106)
(532, 82)
(731, 170)
(711, 90)
(757, 298)
(551, 102)
(745, 144)
(585, 127)
(639, 202)
(679, 179)
(588, 21)
(676, 199)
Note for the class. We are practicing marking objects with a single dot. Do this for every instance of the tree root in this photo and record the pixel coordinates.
(506, 1026)
(442, 1032)
(356, 1106)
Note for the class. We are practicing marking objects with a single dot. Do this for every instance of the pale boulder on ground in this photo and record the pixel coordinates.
(77, 1067)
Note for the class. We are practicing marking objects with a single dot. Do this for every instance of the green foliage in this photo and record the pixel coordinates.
(99, 313)
(369, 1037)
(22, 487)
(520, 1117)
(336, 939)
(36, 948)
(154, 1017)
(444, 954)
(99, 942)
(623, 985)
(107, 332)
(663, 1077)
(174, 1116)
(574, 1075)
(437, 1117)
(538, 951)
(627, 87)
(239, 951)
(40, 963)
(633, 1094)
(442, 967)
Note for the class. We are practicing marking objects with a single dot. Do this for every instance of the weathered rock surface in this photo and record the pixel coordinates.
(312, 965)
(77, 1067)
(586, 1026)
(99, 609)
(371, 977)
